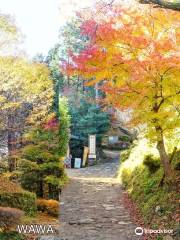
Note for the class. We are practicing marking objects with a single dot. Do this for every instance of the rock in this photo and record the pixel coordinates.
(92, 231)
(113, 220)
(72, 222)
(99, 225)
(85, 221)
(123, 223)
(108, 207)
(48, 238)
(157, 209)
(167, 237)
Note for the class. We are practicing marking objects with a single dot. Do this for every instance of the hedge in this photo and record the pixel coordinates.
(12, 195)
(9, 218)
(11, 236)
(25, 201)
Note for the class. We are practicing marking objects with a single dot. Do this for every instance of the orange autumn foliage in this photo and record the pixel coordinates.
(134, 53)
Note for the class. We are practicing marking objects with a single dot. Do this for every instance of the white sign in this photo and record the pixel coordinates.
(77, 163)
(92, 155)
(92, 144)
(113, 139)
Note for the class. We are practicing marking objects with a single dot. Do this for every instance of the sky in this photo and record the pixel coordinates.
(40, 20)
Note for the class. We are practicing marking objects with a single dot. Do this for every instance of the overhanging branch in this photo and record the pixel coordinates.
(163, 4)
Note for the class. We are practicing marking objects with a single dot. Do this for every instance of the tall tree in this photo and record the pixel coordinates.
(71, 40)
(53, 63)
(10, 35)
(133, 52)
(88, 118)
(64, 130)
(24, 88)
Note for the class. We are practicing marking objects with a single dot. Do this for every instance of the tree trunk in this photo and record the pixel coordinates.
(11, 142)
(163, 154)
(41, 189)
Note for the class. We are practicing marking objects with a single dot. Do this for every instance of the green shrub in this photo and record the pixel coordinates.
(64, 130)
(9, 217)
(51, 167)
(125, 138)
(42, 165)
(149, 185)
(30, 178)
(159, 198)
(27, 165)
(142, 175)
(11, 236)
(145, 191)
(12, 195)
(24, 200)
(31, 152)
(49, 206)
(152, 163)
(126, 177)
(38, 152)
(48, 156)
(15, 176)
(176, 160)
(49, 174)
(124, 155)
(3, 165)
(54, 181)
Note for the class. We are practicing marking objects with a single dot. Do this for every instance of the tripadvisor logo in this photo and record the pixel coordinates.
(140, 231)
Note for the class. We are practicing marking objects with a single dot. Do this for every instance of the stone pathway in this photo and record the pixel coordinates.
(91, 206)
